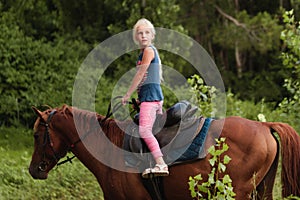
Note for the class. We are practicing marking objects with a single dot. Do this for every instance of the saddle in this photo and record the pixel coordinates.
(175, 131)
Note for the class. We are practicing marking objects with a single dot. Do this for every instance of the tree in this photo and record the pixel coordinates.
(33, 72)
(291, 60)
(258, 34)
(36, 18)
(244, 40)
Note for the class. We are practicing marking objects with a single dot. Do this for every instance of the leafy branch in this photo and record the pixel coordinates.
(216, 187)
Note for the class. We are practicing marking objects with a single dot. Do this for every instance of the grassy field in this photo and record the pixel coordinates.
(68, 181)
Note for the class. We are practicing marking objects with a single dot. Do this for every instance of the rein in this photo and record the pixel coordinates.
(110, 111)
(118, 105)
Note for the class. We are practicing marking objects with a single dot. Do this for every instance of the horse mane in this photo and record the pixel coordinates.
(92, 121)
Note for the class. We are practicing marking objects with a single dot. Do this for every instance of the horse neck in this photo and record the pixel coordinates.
(91, 148)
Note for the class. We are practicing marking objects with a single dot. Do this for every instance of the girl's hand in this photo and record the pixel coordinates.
(125, 99)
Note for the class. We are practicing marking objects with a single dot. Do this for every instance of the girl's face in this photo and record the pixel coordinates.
(144, 36)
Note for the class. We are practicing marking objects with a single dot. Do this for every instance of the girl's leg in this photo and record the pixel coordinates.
(148, 112)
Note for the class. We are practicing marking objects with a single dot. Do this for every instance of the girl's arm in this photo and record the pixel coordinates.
(141, 70)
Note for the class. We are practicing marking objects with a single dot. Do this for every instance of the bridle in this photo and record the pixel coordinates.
(48, 142)
(47, 138)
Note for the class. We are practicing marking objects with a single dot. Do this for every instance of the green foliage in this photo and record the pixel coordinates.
(203, 95)
(290, 106)
(262, 111)
(217, 186)
(254, 87)
(243, 108)
(290, 35)
(161, 13)
(291, 60)
(292, 198)
(44, 42)
(34, 72)
(250, 33)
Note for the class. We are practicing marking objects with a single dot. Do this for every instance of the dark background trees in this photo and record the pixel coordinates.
(43, 43)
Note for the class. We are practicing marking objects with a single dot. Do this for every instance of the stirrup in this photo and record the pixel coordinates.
(158, 170)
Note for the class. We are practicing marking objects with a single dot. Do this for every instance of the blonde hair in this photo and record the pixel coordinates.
(146, 22)
(140, 22)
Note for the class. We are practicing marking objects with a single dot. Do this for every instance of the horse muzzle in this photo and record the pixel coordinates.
(39, 171)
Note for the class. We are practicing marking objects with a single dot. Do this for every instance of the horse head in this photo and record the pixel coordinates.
(49, 145)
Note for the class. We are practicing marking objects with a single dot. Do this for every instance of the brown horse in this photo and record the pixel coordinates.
(252, 147)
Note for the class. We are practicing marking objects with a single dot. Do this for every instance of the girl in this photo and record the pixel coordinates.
(147, 82)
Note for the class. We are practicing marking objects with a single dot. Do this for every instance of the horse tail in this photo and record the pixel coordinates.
(290, 153)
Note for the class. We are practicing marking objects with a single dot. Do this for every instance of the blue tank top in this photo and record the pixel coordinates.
(149, 89)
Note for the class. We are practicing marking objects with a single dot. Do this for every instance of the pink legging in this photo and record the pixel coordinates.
(148, 111)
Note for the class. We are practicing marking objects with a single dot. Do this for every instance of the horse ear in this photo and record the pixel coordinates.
(37, 112)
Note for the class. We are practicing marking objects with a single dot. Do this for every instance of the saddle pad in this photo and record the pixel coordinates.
(195, 150)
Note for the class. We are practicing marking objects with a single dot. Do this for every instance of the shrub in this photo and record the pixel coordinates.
(216, 187)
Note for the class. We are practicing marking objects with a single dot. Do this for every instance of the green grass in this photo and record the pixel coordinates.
(69, 181)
